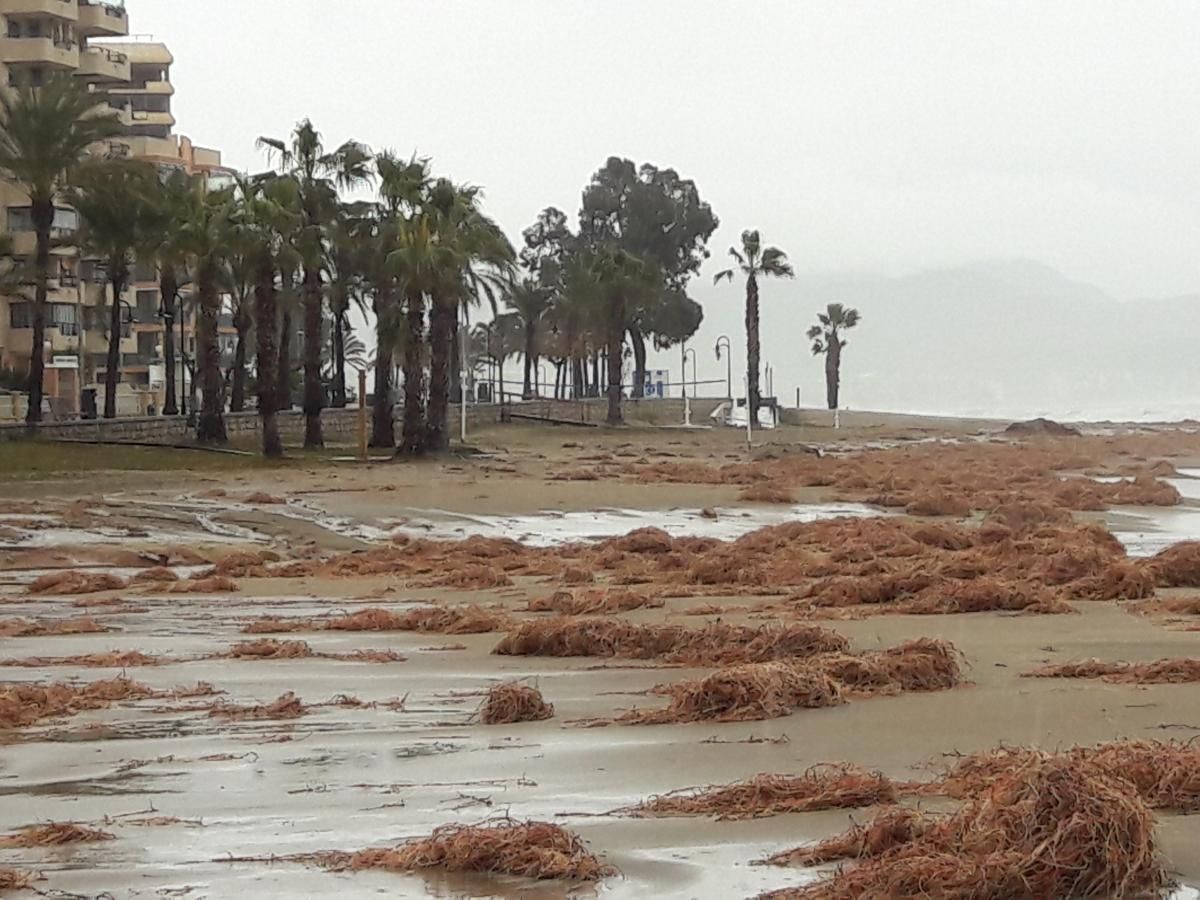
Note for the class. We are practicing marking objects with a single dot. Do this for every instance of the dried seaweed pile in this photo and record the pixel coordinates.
(428, 619)
(749, 692)
(1051, 827)
(50, 627)
(500, 847)
(26, 704)
(1166, 774)
(1162, 671)
(71, 582)
(716, 644)
(116, 659)
(269, 649)
(820, 787)
(15, 879)
(514, 702)
(769, 690)
(952, 479)
(593, 602)
(54, 834)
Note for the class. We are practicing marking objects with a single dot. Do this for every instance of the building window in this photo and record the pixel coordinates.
(20, 218)
(20, 315)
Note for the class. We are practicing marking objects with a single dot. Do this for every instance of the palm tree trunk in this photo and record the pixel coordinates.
(42, 213)
(265, 303)
(167, 287)
(383, 427)
(210, 427)
(456, 386)
(638, 391)
(833, 371)
(596, 371)
(314, 398)
(237, 394)
(339, 359)
(441, 341)
(283, 380)
(752, 348)
(112, 374)
(616, 335)
(412, 432)
(530, 361)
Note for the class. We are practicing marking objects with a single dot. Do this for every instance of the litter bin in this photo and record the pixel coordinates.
(87, 403)
(483, 393)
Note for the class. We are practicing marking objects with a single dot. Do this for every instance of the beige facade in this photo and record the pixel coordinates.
(89, 40)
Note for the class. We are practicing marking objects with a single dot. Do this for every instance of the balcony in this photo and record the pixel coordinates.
(151, 88)
(24, 243)
(158, 119)
(102, 19)
(58, 9)
(99, 64)
(41, 51)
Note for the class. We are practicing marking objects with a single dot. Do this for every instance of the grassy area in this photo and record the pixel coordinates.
(21, 460)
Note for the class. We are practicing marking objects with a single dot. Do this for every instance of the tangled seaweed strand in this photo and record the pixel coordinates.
(826, 786)
(15, 879)
(514, 702)
(716, 644)
(502, 847)
(55, 834)
(429, 619)
(1051, 827)
(885, 831)
(1162, 671)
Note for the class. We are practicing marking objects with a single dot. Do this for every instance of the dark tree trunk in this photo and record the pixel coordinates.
(412, 432)
(527, 389)
(595, 391)
(339, 359)
(616, 335)
(638, 340)
(210, 427)
(456, 386)
(383, 427)
(265, 304)
(42, 213)
(833, 371)
(167, 288)
(314, 398)
(112, 374)
(752, 349)
(241, 322)
(441, 341)
(283, 381)
(577, 381)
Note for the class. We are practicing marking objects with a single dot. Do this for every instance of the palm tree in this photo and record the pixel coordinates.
(348, 251)
(402, 188)
(529, 301)
(497, 340)
(238, 281)
(164, 244)
(206, 235)
(755, 262)
(827, 339)
(319, 175)
(112, 199)
(263, 218)
(45, 133)
(471, 259)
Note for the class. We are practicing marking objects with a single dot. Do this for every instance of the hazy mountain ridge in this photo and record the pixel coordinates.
(1003, 337)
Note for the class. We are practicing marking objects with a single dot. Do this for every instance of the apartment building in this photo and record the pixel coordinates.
(91, 41)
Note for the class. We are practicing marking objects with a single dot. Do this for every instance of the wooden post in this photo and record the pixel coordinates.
(362, 415)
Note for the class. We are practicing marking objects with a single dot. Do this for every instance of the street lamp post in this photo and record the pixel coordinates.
(723, 341)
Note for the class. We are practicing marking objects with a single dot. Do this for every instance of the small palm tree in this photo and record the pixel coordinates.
(45, 133)
(755, 262)
(164, 244)
(827, 339)
(112, 198)
(529, 300)
(319, 174)
(207, 235)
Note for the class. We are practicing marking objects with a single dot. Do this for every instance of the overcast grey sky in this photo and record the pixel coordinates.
(880, 135)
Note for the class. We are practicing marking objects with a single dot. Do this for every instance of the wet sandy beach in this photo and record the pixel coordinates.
(182, 791)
